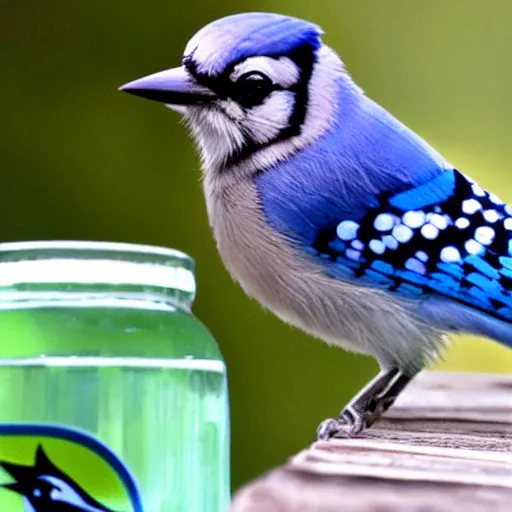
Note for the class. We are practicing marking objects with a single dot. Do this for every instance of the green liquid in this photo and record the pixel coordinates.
(148, 383)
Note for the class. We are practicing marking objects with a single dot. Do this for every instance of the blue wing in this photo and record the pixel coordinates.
(447, 237)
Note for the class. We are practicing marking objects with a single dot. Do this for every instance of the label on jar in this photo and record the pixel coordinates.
(48, 469)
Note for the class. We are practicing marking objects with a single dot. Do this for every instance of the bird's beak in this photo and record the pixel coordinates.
(173, 86)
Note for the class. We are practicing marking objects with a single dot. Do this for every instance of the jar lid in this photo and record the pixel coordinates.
(100, 263)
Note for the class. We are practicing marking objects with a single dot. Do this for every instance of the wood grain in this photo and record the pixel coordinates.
(446, 445)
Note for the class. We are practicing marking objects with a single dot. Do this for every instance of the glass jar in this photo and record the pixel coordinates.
(113, 396)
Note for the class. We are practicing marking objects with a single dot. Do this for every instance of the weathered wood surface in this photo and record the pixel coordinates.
(445, 446)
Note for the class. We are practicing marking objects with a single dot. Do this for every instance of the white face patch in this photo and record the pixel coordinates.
(217, 135)
(282, 71)
(259, 124)
(225, 128)
(232, 109)
(203, 44)
(264, 122)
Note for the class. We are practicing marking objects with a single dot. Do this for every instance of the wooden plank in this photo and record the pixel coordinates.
(446, 445)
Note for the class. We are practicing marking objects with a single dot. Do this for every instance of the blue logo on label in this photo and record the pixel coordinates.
(56, 469)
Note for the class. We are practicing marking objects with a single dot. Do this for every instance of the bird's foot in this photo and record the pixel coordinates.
(366, 407)
(348, 424)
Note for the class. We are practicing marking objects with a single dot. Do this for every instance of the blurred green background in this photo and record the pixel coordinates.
(81, 161)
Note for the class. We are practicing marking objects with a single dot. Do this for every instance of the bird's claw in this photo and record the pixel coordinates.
(348, 425)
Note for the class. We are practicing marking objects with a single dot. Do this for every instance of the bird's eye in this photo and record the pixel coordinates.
(252, 88)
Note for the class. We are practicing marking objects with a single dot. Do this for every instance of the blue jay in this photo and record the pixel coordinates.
(329, 211)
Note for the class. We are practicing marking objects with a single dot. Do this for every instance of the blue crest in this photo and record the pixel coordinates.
(237, 37)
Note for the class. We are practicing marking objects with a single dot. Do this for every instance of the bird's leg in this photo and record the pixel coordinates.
(367, 406)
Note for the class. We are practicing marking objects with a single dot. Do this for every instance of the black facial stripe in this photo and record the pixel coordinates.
(304, 57)
(221, 84)
(190, 65)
